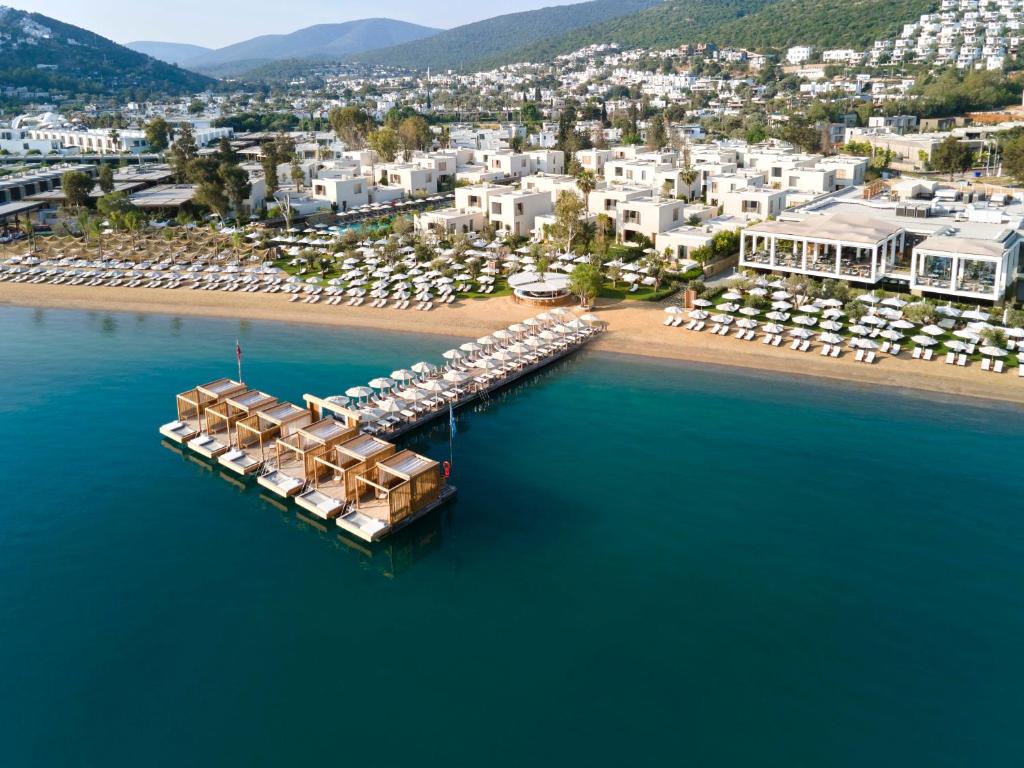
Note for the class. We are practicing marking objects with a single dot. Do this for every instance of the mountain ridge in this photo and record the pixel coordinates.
(319, 41)
(483, 40)
(47, 54)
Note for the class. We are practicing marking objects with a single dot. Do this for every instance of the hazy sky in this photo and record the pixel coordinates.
(220, 22)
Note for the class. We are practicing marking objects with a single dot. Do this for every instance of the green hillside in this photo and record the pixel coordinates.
(469, 45)
(43, 53)
(755, 24)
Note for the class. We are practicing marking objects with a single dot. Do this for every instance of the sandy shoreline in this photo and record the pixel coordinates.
(634, 328)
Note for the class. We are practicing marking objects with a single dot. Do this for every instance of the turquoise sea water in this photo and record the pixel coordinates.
(648, 563)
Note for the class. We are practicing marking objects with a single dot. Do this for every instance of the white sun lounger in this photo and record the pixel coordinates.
(869, 357)
(997, 367)
(859, 357)
(986, 364)
(916, 354)
(961, 359)
(836, 351)
(927, 355)
(950, 358)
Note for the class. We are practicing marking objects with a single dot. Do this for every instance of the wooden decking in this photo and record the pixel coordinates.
(368, 522)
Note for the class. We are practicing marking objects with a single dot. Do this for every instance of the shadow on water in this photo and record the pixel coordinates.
(391, 557)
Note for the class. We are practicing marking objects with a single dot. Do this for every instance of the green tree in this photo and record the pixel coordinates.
(268, 162)
(106, 179)
(298, 175)
(351, 124)
(183, 152)
(76, 186)
(28, 230)
(569, 212)
(1013, 158)
(585, 281)
(657, 135)
(385, 142)
(236, 186)
(114, 205)
(951, 156)
(158, 134)
(414, 135)
(586, 182)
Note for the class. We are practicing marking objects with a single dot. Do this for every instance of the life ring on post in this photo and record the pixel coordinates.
(447, 469)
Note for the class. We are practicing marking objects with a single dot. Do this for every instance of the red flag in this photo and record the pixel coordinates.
(238, 350)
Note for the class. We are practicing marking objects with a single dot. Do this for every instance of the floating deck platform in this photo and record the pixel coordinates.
(338, 462)
(369, 528)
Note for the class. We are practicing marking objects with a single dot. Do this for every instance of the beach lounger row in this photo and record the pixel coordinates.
(922, 353)
(865, 356)
(952, 358)
(800, 345)
(831, 350)
(996, 366)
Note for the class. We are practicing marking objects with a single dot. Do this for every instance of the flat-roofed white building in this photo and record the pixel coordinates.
(968, 252)
(451, 221)
(94, 140)
(343, 190)
(593, 160)
(648, 215)
(852, 248)
(413, 178)
(515, 211)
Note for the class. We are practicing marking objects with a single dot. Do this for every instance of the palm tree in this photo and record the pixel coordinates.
(586, 182)
(25, 225)
(687, 176)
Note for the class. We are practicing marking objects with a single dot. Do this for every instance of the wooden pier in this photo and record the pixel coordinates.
(337, 460)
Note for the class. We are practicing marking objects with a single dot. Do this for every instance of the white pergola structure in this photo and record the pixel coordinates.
(965, 267)
(853, 248)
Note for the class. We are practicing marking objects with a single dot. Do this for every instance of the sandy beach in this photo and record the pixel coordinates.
(633, 328)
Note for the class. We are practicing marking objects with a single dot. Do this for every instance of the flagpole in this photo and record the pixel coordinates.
(451, 435)
(238, 354)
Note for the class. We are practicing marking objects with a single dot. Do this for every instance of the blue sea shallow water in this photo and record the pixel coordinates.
(648, 563)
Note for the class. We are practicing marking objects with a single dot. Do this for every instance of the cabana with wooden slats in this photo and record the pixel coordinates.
(255, 436)
(407, 486)
(296, 454)
(192, 407)
(335, 472)
(220, 419)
